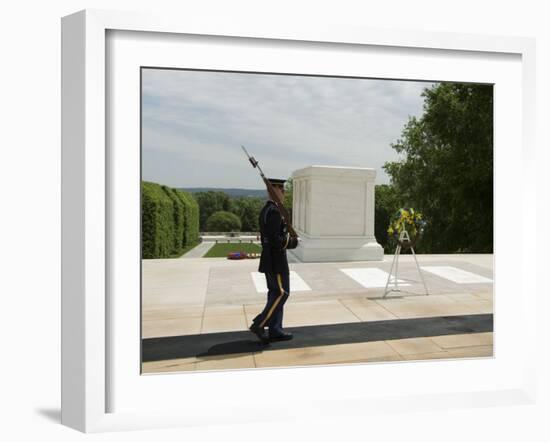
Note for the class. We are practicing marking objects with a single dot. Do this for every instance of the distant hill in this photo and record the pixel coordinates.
(234, 193)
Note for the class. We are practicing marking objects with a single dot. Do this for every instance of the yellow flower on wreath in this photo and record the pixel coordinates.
(406, 219)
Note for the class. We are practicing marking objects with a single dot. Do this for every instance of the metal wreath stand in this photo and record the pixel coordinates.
(403, 236)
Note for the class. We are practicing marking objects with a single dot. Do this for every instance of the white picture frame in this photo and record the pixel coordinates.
(86, 204)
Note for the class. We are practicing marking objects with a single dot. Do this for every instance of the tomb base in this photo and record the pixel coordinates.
(338, 249)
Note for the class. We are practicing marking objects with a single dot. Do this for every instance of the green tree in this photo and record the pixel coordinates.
(248, 210)
(447, 169)
(210, 202)
(223, 222)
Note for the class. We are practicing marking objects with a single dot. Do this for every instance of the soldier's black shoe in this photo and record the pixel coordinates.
(280, 336)
(259, 332)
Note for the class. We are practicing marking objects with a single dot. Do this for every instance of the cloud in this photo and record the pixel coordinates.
(194, 122)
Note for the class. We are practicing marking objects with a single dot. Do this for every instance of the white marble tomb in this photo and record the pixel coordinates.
(333, 213)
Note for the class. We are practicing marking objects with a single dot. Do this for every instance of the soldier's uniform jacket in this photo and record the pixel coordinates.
(275, 240)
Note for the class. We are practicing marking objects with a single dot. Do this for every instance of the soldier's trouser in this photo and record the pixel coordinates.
(277, 294)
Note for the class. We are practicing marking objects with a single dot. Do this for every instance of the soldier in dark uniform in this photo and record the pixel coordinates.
(273, 262)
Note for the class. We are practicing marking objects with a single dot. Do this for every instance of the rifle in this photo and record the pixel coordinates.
(273, 195)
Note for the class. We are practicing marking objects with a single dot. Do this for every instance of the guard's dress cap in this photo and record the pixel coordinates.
(276, 182)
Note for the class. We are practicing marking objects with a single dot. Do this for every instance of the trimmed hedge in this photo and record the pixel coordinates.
(179, 220)
(157, 222)
(169, 221)
(191, 218)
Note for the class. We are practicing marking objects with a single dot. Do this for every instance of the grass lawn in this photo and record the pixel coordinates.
(221, 250)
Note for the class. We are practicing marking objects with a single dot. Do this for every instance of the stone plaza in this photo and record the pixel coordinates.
(196, 312)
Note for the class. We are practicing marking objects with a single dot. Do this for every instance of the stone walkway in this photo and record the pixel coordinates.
(198, 251)
(199, 296)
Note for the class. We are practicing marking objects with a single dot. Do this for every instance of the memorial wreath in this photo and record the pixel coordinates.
(411, 221)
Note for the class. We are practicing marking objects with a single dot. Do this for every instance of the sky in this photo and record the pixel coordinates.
(194, 122)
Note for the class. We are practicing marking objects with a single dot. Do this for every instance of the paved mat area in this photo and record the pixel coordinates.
(470, 345)
(228, 343)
